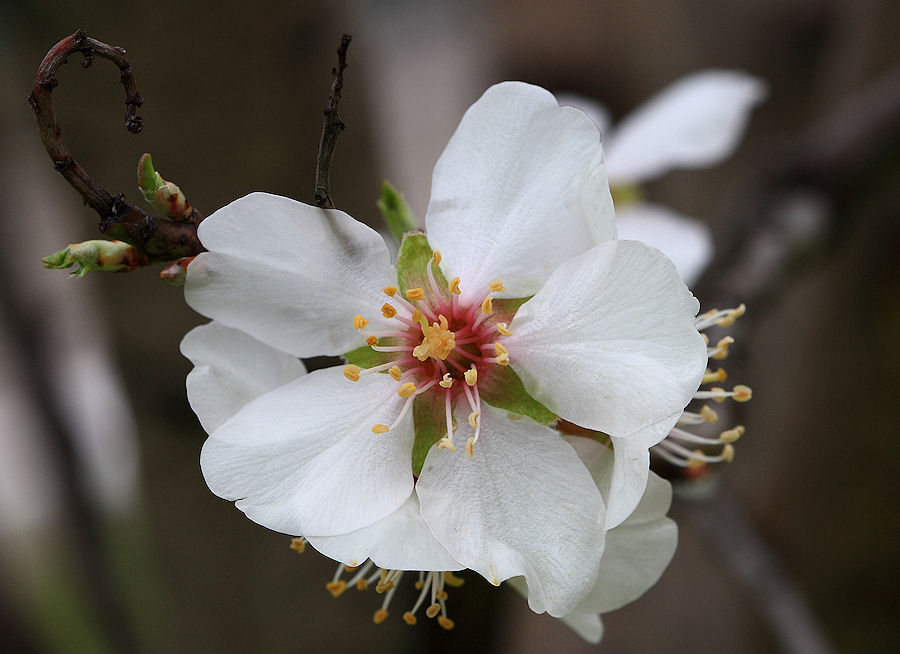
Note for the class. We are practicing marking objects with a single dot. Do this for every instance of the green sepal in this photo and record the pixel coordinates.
(412, 261)
(366, 357)
(501, 387)
(396, 213)
(430, 422)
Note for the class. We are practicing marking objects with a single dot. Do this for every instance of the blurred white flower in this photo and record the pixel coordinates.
(362, 461)
(695, 122)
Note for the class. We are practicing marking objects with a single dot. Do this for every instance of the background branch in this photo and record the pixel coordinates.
(331, 128)
(157, 239)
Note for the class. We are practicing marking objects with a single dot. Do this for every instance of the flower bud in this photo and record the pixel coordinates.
(176, 272)
(162, 195)
(114, 256)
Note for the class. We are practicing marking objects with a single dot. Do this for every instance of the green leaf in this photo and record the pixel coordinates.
(412, 261)
(501, 387)
(430, 421)
(149, 181)
(396, 213)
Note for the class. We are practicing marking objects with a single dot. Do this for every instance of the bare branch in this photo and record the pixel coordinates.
(159, 240)
(331, 128)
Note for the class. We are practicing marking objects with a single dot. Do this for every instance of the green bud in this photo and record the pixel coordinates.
(162, 195)
(396, 213)
(113, 256)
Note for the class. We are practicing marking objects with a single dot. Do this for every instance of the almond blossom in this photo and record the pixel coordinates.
(432, 449)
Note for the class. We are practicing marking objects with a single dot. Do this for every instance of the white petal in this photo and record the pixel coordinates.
(686, 241)
(520, 188)
(523, 505)
(290, 275)
(587, 625)
(609, 342)
(637, 551)
(302, 459)
(231, 369)
(594, 110)
(401, 541)
(695, 122)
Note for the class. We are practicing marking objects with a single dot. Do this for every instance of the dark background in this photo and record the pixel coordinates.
(799, 536)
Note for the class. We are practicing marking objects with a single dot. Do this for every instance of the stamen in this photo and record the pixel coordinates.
(436, 257)
(446, 381)
(388, 311)
(359, 322)
(380, 429)
(298, 544)
(415, 294)
(496, 286)
(503, 328)
(473, 419)
(372, 340)
(742, 393)
(406, 390)
(390, 291)
(708, 414)
(487, 305)
(351, 372)
(452, 580)
(718, 376)
(731, 435)
(454, 286)
(499, 349)
(470, 447)
(471, 376)
(395, 372)
(720, 351)
(380, 616)
(446, 443)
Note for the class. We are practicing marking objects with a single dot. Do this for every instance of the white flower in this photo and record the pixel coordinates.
(607, 341)
(695, 122)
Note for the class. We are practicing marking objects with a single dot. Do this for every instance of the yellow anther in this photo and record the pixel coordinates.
(336, 587)
(415, 294)
(388, 311)
(359, 322)
(446, 623)
(487, 306)
(395, 372)
(720, 398)
(433, 610)
(731, 435)
(443, 320)
(441, 595)
(390, 290)
(731, 316)
(298, 545)
(470, 447)
(718, 376)
(742, 393)
(503, 329)
(350, 568)
(473, 418)
(499, 349)
(436, 257)
(380, 616)
(503, 359)
(709, 415)
(383, 586)
(351, 372)
(728, 453)
(471, 376)
(496, 286)
(372, 340)
(452, 580)
(446, 444)
(697, 462)
(406, 390)
(362, 584)
(380, 429)
(722, 347)
(419, 584)
(419, 318)
(409, 618)
(454, 286)
(446, 381)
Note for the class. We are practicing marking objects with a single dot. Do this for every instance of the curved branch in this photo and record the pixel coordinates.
(159, 240)
(331, 127)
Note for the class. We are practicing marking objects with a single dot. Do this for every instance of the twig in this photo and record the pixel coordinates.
(331, 128)
(158, 239)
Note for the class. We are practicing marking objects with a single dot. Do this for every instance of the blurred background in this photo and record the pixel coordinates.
(110, 540)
